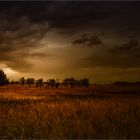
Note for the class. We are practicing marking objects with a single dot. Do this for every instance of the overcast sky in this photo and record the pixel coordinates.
(53, 39)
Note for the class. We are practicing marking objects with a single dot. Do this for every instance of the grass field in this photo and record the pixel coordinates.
(94, 112)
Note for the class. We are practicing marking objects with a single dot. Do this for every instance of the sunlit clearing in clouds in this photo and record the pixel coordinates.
(8, 70)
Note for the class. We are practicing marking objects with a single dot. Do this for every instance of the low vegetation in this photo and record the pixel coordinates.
(67, 111)
(86, 112)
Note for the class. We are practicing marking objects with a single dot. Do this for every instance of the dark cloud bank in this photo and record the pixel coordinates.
(94, 25)
(126, 55)
(84, 40)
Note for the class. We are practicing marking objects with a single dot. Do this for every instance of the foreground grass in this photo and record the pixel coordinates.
(67, 113)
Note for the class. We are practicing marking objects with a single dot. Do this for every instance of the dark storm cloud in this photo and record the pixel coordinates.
(94, 40)
(82, 40)
(17, 39)
(111, 61)
(131, 45)
(126, 55)
(40, 55)
(34, 10)
(131, 49)
(83, 12)
(71, 17)
(24, 24)
(85, 40)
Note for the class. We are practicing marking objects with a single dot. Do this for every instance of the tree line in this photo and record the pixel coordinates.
(53, 83)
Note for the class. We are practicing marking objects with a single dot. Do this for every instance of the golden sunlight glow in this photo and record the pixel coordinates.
(7, 69)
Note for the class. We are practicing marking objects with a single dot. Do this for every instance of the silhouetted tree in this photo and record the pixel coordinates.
(39, 82)
(84, 82)
(66, 82)
(16, 82)
(69, 81)
(30, 81)
(72, 82)
(52, 82)
(3, 78)
(57, 84)
(22, 81)
(78, 83)
(48, 84)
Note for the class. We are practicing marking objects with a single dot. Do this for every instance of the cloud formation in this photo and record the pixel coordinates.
(129, 47)
(35, 35)
(127, 55)
(18, 39)
(86, 40)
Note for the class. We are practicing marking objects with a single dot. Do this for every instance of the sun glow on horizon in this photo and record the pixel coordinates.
(8, 70)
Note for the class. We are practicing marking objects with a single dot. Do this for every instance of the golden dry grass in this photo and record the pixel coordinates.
(104, 112)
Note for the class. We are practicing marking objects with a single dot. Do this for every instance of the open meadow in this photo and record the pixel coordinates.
(84, 112)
